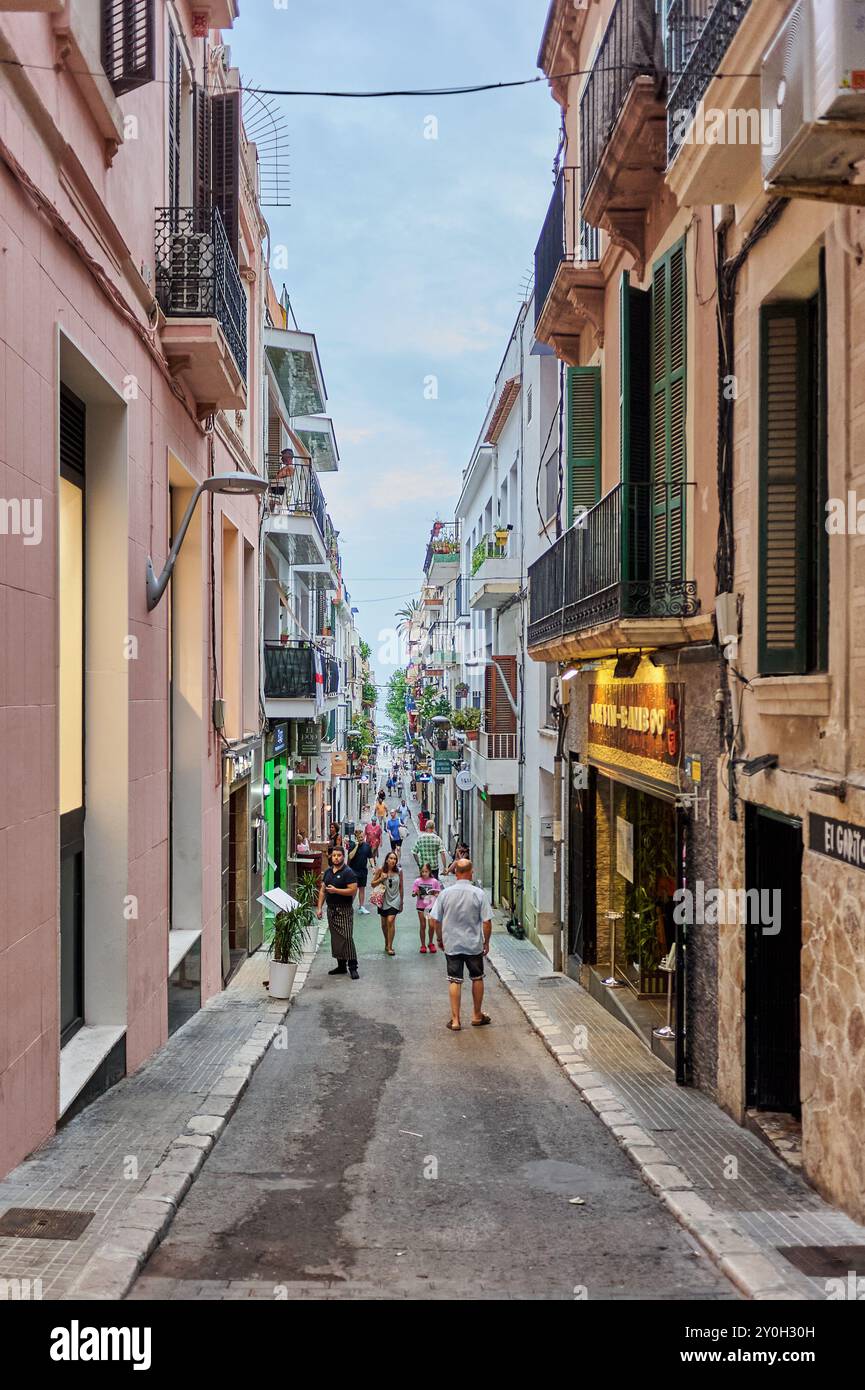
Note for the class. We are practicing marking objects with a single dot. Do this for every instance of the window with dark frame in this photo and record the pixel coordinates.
(793, 556)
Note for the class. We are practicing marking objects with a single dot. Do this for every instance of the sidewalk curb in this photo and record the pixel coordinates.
(741, 1259)
(115, 1265)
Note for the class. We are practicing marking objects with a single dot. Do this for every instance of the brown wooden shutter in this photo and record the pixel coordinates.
(225, 127)
(201, 152)
(274, 438)
(500, 717)
(785, 394)
(127, 43)
(174, 90)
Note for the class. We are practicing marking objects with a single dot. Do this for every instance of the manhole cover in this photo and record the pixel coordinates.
(44, 1223)
(826, 1261)
(548, 980)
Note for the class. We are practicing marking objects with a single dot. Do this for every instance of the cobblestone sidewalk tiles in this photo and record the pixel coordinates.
(131, 1155)
(724, 1184)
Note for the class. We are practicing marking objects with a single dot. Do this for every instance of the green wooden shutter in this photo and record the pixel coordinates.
(785, 428)
(584, 438)
(669, 406)
(634, 427)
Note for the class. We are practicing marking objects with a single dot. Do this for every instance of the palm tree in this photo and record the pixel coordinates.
(407, 614)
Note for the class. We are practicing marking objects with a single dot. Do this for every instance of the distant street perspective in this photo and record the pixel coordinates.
(432, 636)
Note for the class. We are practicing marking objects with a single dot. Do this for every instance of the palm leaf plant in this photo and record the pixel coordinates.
(286, 937)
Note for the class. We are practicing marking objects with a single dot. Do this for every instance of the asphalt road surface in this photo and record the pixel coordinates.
(378, 1155)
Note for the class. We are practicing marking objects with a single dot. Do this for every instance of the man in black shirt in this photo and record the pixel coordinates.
(338, 887)
(358, 861)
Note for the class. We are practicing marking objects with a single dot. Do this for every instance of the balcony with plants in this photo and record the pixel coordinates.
(623, 126)
(495, 577)
(569, 286)
(203, 306)
(442, 560)
(619, 580)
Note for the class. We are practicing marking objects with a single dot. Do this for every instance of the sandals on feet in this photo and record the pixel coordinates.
(450, 1025)
(479, 1023)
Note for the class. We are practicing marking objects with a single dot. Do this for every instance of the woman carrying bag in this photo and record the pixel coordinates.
(387, 896)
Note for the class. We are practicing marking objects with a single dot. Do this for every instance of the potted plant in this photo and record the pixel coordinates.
(287, 937)
(501, 534)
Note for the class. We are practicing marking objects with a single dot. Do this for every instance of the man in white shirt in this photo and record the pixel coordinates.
(465, 918)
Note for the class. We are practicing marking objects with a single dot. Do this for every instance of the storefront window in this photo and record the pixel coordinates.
(635, 882)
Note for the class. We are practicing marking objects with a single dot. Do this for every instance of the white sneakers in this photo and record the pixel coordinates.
(366, 910)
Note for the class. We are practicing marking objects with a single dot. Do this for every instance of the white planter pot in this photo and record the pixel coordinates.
(281, 979)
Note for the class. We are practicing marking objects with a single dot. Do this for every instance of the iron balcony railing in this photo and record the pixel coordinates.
(625, 559)
(197, 275)
(626, 51)
(290, 670)
(295, 489)
(552, 250)
(443, 545)
(487, 549)
(699, 32)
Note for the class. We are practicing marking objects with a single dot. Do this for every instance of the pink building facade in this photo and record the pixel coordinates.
(131, 322)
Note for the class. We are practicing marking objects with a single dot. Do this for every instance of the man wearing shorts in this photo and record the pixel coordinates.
(465, 918)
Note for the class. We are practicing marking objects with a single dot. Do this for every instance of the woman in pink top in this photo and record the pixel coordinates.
(372, 835)
(426, 889)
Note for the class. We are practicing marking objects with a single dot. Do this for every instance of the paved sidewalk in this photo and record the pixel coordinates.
(723, 1183)
(130, 1156)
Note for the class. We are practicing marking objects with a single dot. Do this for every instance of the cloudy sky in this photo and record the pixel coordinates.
(405, 255)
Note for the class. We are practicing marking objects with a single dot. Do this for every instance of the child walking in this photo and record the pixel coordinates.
(426, 889)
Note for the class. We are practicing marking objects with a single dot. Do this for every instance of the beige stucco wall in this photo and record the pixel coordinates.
(833, 896)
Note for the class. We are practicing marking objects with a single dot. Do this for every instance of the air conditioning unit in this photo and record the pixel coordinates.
(813, 94)
(190, 271)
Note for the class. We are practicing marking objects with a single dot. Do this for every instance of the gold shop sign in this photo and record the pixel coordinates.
(636, 722)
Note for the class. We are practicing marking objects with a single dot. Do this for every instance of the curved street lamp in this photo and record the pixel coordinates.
(239, 484)
(473, 662)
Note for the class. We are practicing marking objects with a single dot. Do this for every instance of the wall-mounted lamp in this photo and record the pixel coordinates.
(240, 484)
(265, 790)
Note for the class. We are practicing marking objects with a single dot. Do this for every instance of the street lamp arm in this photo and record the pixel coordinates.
(156, 587)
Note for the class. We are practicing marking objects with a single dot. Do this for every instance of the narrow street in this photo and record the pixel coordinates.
(322, 1181)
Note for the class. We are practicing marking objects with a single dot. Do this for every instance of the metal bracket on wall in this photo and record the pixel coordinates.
(691, 801)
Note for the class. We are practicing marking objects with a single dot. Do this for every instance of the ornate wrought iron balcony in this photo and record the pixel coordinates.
(295, 489)
(197, 276)
(566, 238)
(626, 560)
(627, 51)
(699, 32)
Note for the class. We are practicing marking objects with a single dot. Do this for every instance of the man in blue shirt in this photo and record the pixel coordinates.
(394, 830)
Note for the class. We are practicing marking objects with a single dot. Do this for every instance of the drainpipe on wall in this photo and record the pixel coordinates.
(561, 717)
